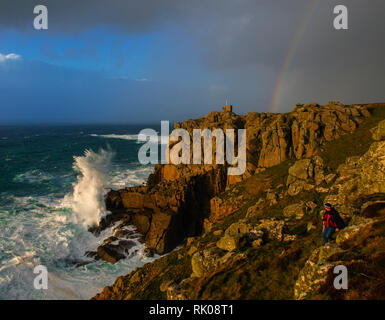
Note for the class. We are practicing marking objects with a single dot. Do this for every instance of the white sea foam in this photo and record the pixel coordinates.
(90, 188)
(132, 137)
(116, 136)
(129, 177)
(50, 230)
(33, 176)
(43, 230)
(42, 233)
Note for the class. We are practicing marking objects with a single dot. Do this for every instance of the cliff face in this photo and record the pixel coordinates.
(273, 138)
(172, 208)
(266, 241)
(180, 201)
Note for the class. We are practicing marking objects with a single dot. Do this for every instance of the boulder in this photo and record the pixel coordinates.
(256, 209)
(305, 174)
(356, 225)
(189, 241)
(220, 208)
(149, 252)
(231, 243)
(298, 186)
(113, 252)
(217, 232)
(301, 169)
(297, 210)
(378, 132)
(330, 178)
(174, 292)
(192, 250)
(238, 229)
(272, 229)
(349, 168)
(238, 235)
(272, 198)
(205, 261)
(314, 274)
(322, 190)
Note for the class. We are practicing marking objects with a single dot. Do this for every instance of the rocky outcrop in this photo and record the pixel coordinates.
(238, 235)
(203, 262)
(372, 170)
(300, 133)
(273, 138)
(306, 174)
(261, 241)
(171, 209)
(356, 224)
(317, 273)
(204, 265)
(241, 234)
(274, 230)
(220, 208)
(378, 132)
(113, 252)
(179, 198)
(299, 210)
(360, 178)
(314, 274)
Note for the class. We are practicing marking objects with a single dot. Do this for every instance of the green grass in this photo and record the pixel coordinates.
(335, 152)
(268, 273)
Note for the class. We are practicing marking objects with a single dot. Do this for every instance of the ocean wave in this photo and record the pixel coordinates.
(33, 176)
(116, 136)
(47, 230)
(43, 231)
(131, 137)
(92, 181)
(129, 177)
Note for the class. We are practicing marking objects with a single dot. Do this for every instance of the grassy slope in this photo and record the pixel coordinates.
(355, 144)
(270, 271)
(365, 259)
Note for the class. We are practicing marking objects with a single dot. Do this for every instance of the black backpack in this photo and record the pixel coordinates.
(338, 220)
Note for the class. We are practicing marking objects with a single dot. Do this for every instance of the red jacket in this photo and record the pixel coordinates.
(329, 218)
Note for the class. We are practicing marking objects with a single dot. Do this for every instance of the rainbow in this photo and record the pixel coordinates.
(289, 58)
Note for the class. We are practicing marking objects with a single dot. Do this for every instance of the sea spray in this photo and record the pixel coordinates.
(89, 190)
(38, 225)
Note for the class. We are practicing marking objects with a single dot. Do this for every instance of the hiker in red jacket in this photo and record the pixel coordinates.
(332, 221)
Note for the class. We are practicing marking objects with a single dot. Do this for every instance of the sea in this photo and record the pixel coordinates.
(53, 181)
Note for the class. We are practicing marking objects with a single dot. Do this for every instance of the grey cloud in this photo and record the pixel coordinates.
(245, 43)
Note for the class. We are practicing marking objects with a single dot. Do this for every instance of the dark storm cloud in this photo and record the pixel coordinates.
(246, 42)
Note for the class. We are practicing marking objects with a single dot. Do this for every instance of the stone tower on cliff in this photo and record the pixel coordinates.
(227, 108)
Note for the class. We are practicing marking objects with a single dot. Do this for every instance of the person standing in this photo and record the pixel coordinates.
(332, 221)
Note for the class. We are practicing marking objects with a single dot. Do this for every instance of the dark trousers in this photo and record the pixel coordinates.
(328, 232)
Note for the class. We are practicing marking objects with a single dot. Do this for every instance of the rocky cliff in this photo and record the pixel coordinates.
(258, 236)
(261, 235)
(180, 201)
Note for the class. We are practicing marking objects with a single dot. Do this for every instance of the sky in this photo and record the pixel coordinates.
(131, 61)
